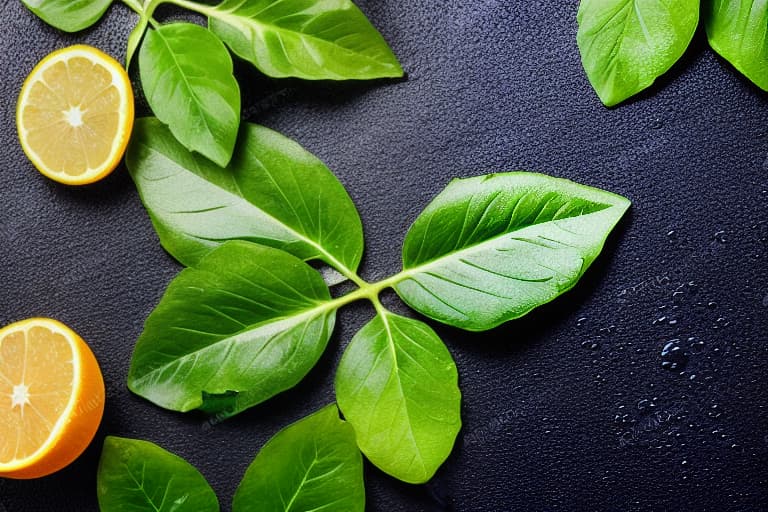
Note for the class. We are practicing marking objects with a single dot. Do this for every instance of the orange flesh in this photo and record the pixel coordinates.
(74, 105)
(37, 379)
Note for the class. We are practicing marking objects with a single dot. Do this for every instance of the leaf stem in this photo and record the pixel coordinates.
(135, 6)
(205, 10)
(366, 290)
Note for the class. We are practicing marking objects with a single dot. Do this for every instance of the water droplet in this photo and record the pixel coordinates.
(672, 322)
(712, 304)
(672, 235)
(581, 321)
(720, 237)
(678, 296)
(673, 357)
(591, 345)
(660, 320)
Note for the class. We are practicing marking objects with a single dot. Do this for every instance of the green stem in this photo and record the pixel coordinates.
(205, 10)
(366, 290)
(135, 6)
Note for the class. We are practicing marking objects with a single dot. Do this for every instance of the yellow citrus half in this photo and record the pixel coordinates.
(51, 397)
(75, 114)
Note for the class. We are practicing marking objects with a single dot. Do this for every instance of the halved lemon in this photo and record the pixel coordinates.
(74, 115)
(51, 397)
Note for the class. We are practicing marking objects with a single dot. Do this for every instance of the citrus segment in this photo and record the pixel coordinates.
(51, 397)
(75, 114)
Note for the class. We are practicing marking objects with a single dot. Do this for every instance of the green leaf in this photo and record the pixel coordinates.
(136, 476)
(245, 324)
(312, 465)
(310, 39)
(273, 192)
(626, 44)
(491, 248)
(68, 15)
(186, 74)
(397, 386)
(134, 39)
(738, 31)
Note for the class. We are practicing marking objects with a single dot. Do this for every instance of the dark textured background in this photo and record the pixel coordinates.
(567, 409)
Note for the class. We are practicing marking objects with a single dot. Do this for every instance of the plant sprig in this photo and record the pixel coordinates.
(249, 320)
(626, 44)
(313, 464)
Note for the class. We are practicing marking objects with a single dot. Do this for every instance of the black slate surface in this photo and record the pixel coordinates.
(567, 409)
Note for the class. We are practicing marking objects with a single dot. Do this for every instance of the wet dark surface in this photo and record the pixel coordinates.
(641, 389)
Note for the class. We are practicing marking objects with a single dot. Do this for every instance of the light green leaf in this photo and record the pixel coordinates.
(312, 465)
(137, 476)
(274, 192)
(626, 44)
(134, 39)
(397, 386)
(738, 31)
(491, 248)
(68, 15)
(186, 74)
(245, 324)
(310, 39)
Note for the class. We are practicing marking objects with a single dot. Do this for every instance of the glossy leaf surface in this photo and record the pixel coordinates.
(738, 31)
(273, 192)
(313, 464)
(397, 385)
(139, 476)
(244, 324)
(186, 74)
(68, 15)
(626, 44)
(310, 39)
(491, 248)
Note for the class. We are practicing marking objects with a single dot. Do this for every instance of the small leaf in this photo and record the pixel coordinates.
(274, 192)
(134, 39)
(310, 39)
(491, 248)
(136, 476)
(245, 324)
(186, 74)
(312, 465)
(397, 386)
(626, 44)
(68, 15)
(738, 31)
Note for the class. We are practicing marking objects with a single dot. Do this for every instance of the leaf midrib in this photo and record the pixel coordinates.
(322, 252)
(308, 314)
(190, 89)
(243, 23)
(423, 267)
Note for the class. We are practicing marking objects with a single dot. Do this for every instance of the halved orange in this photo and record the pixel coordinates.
(74, 114)
(51, 397)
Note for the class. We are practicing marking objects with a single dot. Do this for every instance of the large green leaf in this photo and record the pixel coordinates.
(397, 386)
(245, 324)
(312, 465)
(310, 39)
(138, 476)
(68, 15)
(491, 248)
(626, 44)
(273, 192)
(738, 31)
(186, 74)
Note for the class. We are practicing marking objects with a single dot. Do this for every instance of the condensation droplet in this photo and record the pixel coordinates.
(673, 357)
